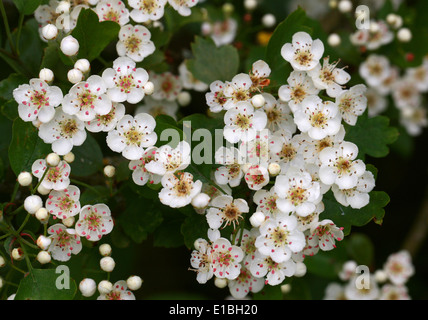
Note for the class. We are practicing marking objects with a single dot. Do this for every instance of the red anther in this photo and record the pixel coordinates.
(410, 56)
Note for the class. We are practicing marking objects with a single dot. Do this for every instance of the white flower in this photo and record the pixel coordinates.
(140, 175)
(318, 118)
(256, 177)
(179, 191)
(183, 6)
(226, 259)
(325, 233)
(334, 291)
(237, 90)
(414, 119)
(376, 102)
(242, 123)
(65, 203)
(245, 283)
(339, 166)
(167, 86)
(134, 42)
(120, 292)
(280, 237)
(256, 151)
(399, 267)
(225, 211)
(63, 132)
(37, 100)
(266, 202)
(393, 292)
(222, 32)
(132, 135)
(299, 86)
(352, 103)
(188, 81)
(354, 290)
(297, 192)
(216, 98)
(275, 273)
(112, 10)
(57, 178)
(405, 93)
(64, 242)
(278, 114)
(419, 75)
(94, 222)
(283, 149)
(156, 107)
(329, 77)
(358, 196)
(107, 122)
(143, 10)
(248, 239)
(125, 82)
(231, 170)
(87, 99)
(375, 69)
(303, 53)
(169, 160)
(260, 72)
(201, 261)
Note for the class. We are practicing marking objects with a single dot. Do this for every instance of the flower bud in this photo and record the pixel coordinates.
(345, 6)
(53, 159)
(274, 169)
(63, 7)
(69, 46)
(201, 200)
(87, 287)
(2, 262)
(109, 171)
(46, 75)
(69, 157)
(149, 88)
(404, 35)
(250, 4)
(105, 250)
(75, 76)
(49, 32)
(300, 269)
(32, 204)
(269, 20)
(68, 222)
(258, 101)
(42, 215)
(25, 178)
(184, 98)
(134, 282)
(1, 282)
(394, 20)
(43, 190)
(82, 65)
(334, 40)
(105, 287)
(257, 219)
(380, 276)
(220, 283)
(107, 264)
(17, 254)
(43, 242)
(43, 257)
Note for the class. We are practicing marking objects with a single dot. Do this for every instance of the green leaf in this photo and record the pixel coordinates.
(347, 217)
(25, 147)
(283, 34)
(88, 158)
(168, 234)
(27, 6)
(360, 248)
(195, 226)
(8, 85)
(97, 194)
(269, 293)
(93, 35)
(211, 63)
(372, 136)
(168, 131)
(40, 284)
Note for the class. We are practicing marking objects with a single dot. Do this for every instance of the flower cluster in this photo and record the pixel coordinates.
(295, 144)
(387, 283)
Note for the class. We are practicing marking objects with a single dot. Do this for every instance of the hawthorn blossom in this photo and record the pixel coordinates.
(266, 201)
(167, 86)
(183, 6)
(278, 114)
(340, 166)
(256, 177)
(201, 261)
(419, 75)
(274, 272)
(259, 74)
(325, 233)
(318, 118)
(120, 292)
(237, 90)
(134, 42)
(256, 151)
(299, 86)
(37, 100)
(156, 107)
(56, 178)
(140, 175)
(215, 98)
(87, 99)
(399, 267)
(179, 191)
(169, 160)
(132, 135)
(358, 196)
(188, 81)
(226, 259)
(94, 222)
(248, 239)
(376, 102)
(303, 53)
(143, 10)
(328, 77)
(405, 93)
(280, 237)
(64, 242)
(362, 291)
(225, 211)
(297, 192)
(375, 69)
(222, 32)
(393, 292)
(352, 103)
(231, 170)
(242, 123)
(107, 122)
(414, 119)
(284, 149)
(125, 82)
(245, 283)
(112, 10)
(64, 203)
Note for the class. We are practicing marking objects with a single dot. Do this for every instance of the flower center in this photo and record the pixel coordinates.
(126, 83)
(343, 165)
(243, 121)
(297, 195)
(133, 136)
(304, 58)
(318, 119)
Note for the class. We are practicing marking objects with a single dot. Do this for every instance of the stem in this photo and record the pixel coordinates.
(5, 236)
(15, 191)
(18, 35)
(7, 28)
(33, 191)
(26, 257)
(23, 224)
